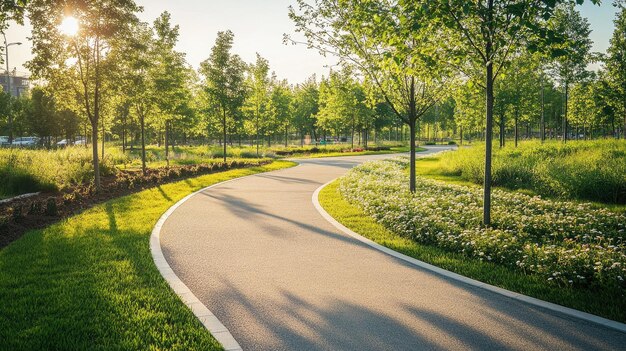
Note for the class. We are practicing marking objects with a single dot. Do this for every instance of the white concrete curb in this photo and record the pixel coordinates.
(527, 299)
(206, 317)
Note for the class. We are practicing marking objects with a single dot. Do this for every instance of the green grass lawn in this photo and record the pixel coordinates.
(89, 282)
(612, 306)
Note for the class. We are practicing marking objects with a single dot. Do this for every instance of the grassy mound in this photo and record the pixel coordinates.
(586, 170)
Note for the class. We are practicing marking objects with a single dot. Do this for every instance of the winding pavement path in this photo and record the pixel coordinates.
(257, 253)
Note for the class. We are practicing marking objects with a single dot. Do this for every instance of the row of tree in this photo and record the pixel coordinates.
(429, 65)
(418, 54)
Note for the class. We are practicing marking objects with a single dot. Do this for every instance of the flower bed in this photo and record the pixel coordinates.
(567, 243)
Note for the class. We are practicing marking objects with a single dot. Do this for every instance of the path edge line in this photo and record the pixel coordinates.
(588, 317)
(204, 315)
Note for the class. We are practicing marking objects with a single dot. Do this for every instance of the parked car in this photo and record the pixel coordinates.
(63, 143)
(4, 141)
(25, 142)
(80, 141)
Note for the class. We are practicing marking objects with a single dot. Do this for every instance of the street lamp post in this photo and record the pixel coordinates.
(6, 52)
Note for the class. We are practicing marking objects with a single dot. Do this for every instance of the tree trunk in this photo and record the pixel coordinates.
(624, 127)
(94, 147)
(124, 136)
(502, 131)
(461, 143)
(565, 114)
(412, 122)
(516, 128)
(488, 135)
(103, 138)
(352, 137)
(143, 144)
(543, 114)
(167, 143)
(224, 131)
(412, 175)
(286, 135)
(258, 155)
(366, 136)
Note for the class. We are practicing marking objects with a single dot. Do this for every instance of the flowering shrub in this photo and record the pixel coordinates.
(567, 243)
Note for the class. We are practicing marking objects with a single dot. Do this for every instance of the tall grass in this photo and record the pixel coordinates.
(589, 170)
(24, 171)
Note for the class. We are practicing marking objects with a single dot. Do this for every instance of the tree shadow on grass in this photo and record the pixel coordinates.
(90, 283)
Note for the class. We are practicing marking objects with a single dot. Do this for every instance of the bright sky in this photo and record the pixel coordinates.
(259, 27)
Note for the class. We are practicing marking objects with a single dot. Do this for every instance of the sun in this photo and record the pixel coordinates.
(69, 26)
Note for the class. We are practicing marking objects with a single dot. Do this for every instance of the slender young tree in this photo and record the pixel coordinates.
(82, 32)
(171, 78)
(279, 107)
(259, 82)
(616, 62)
(137, 79)
(224, 80)
(481, 37)
(385, 43)
(306, 107)
(571, 53)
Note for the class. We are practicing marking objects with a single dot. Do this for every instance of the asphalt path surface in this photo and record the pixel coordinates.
(257, 253)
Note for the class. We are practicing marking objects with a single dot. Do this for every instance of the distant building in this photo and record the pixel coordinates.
(20, 83)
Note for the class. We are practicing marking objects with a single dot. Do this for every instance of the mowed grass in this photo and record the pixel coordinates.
(357, 220)
(89, 282)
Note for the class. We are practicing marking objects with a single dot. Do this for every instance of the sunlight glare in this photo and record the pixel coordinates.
(69, 26)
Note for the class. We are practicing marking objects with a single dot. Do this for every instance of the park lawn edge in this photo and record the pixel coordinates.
(397, 150)
(90, 282)
(355, 219)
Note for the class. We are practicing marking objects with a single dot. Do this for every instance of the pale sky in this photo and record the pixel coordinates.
(258, 26)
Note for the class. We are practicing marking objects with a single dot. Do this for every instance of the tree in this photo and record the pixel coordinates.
(481, 37)
(137, 79)
(469, 112)
(616, 62)
(581, 104)
(386, 44)
(336, 102)
(224, 79)
(92, 30)
(43, 117)
(10, 10)
(171, 77)
(571, 54)
(259, 83)
(306, 107)
(279, 107)
(516, 94)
